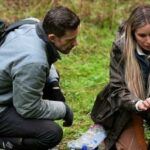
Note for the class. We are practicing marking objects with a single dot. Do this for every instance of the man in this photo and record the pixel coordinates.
(26, 118)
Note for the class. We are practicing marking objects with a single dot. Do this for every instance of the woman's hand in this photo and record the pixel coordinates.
(143, 105)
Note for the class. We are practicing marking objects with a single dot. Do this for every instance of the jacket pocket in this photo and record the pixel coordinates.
(102, 112)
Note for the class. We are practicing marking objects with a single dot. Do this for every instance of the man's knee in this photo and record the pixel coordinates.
(53, 136)
(48, 137)
(57, 134)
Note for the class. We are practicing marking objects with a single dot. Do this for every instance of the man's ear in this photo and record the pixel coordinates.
(52, 37)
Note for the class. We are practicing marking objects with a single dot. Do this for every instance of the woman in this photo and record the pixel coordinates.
(125, 102)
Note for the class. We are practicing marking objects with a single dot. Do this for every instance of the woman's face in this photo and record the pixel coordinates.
(142, 36)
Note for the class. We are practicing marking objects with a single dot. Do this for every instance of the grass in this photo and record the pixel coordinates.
(85, 71)
(83, 74)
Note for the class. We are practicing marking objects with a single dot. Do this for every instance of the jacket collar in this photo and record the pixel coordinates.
(139, 51)
(51, 50)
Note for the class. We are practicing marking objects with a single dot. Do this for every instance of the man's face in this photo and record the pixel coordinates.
(66, 42)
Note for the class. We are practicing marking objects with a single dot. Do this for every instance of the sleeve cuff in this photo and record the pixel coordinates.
(136, 105)
(54, 84)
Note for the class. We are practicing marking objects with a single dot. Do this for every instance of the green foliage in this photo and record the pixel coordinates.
(84, 73)
(86, 70)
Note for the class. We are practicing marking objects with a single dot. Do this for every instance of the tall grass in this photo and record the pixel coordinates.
(86, 70)
(103, 12)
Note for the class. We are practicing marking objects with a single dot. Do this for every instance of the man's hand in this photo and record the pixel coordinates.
(68, 119)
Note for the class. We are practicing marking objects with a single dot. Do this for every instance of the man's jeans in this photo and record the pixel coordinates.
(18, 133)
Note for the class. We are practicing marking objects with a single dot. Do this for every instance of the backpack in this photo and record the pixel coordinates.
(4, 29)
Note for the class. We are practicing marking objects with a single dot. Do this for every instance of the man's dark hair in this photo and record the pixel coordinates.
(60, 19)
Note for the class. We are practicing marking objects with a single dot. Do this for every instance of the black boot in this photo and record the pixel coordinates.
(10, 143)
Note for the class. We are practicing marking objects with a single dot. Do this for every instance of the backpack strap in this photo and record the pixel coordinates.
(15, 26)
(19, 23)
(2, 26)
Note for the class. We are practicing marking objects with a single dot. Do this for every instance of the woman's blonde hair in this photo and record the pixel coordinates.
(139, 17)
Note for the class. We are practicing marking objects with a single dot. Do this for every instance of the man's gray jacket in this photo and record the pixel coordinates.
(25, 62)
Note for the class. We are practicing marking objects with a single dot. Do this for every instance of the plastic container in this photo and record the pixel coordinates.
(90, 140)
